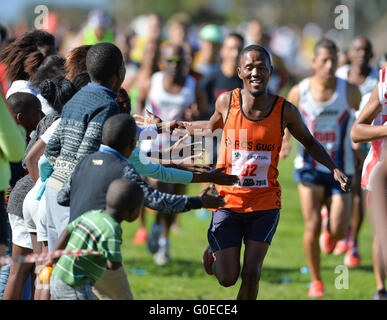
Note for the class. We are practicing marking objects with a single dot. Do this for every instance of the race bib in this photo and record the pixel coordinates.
(251, 167)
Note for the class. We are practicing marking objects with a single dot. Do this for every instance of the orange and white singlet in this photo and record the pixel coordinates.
(250, 149)
(375, 155)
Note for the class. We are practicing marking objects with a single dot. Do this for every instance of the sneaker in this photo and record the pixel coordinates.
(140, 236)
(380, 295)
(208, 260)
(352, 257)
(153, 239)
(341, 247)
(162, 256)
(316, 289)
(327, 243)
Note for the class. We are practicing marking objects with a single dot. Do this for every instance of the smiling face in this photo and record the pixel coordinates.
(255, 71)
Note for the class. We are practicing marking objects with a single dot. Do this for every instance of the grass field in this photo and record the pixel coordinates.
(184, 278)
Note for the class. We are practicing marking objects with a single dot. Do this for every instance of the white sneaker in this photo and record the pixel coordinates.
(162, 257)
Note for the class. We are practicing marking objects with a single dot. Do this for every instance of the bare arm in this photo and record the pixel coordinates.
(296, 126)
(32, 158)
(293, 97)
(362, 130)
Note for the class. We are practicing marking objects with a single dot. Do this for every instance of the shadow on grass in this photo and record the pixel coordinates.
(279, 275)
(177, 267)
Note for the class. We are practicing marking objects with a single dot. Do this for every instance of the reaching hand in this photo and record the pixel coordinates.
(170, 126)
(162, 126)
(194, 167)
(179, 145)
(210, 201)
(218, 177)
(145, 121)
(341, 178)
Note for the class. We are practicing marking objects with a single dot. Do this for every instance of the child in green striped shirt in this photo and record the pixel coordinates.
(96, 230)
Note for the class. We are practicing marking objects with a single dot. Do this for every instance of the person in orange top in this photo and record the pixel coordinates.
(253, 122)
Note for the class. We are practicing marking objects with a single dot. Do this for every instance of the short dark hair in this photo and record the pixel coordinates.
(238, 36)
(119, 131)
(123, 194)
(103, 61)
(255, 47)
(20, 102)
(326, 44)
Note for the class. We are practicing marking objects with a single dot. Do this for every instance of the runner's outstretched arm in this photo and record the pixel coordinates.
(362, 129)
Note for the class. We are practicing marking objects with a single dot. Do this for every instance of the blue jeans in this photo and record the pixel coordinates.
(60, 290)
(4, 270)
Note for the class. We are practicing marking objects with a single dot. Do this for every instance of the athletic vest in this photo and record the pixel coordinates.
(250, 149)
(167, 106)
(376, 154)
(330, 123)
(365, 88)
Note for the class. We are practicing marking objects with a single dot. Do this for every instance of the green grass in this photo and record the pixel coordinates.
(184, 278)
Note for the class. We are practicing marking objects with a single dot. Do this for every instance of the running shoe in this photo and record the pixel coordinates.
(327, 243)
(140, 236)
(208, 260)
(341, 247)
(380, 295)
(153, 239)
(352, 257)
(316, 289)
(162, 256)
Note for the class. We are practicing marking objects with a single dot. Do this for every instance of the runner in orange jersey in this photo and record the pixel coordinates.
(253, 122)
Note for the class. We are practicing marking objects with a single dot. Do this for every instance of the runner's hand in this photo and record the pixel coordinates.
(341, 178)
(162, 126)
(210, 201)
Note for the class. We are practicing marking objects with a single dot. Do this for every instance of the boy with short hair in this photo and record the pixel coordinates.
(95, 230)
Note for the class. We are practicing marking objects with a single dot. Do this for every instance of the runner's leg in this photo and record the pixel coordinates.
(255, 252)
(312, 198)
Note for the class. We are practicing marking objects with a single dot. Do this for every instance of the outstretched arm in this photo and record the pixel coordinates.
(296, 126)
(202, 127)
(362, 130)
